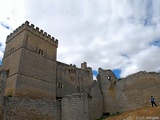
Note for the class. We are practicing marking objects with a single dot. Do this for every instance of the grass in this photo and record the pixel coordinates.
(146, 113)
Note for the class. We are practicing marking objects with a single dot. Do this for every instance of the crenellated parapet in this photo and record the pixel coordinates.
(35, 30)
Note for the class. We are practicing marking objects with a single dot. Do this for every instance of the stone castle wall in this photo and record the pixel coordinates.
(107, 82)
(73, 80)
(135, 91)
(29, 109)
(10, 63)
(66, 84)
(2, 88)
(75, 107)
(40, 87)
(128, 93)
(95, 102)
(131, 93)
(36, 77)
(29, 87)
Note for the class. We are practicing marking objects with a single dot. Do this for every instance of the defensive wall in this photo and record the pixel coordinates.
(71, 79)
(128, 93)
(107, 82)
(36, 86)
(29, 109)
(95, 102)
(135, 90)
(75, 107)
(70, 107)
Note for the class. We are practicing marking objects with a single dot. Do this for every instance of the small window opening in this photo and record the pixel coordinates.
(60, 85)
(109, 78)
(7, 73)
(12, 49)
(40, 52)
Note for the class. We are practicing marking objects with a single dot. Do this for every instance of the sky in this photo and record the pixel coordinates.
(121, 35)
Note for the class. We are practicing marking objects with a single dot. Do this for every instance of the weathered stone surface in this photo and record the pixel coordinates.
(135, 91)
(2, 88)
(28, 109)
(95, 102)
(75, 107)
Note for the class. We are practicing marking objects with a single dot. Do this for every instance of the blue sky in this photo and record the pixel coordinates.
(121, 35)
(115, 71)
(4, 25)
(155, 43)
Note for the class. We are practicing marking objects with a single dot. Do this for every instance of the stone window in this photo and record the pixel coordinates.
(12, 49)
(60, 85)
(109, 78)
(40, 52)
(7, 73)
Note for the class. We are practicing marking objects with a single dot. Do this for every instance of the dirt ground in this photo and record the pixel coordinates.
(146, 113)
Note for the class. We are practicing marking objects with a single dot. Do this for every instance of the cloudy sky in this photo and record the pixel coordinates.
(121, 35)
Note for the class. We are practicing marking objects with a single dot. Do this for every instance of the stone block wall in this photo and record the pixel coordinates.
(135, 91)
(28, 109)
(30, 54)
(128, 93)
(29, 87)
(107, 82)
(2, 88)
(75, 107)
(72, 80)
(95, 102)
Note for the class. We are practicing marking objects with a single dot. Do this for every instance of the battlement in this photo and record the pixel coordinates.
(35, 30)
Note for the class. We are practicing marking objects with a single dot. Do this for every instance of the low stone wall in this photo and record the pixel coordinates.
(75, 107)
(28, 109)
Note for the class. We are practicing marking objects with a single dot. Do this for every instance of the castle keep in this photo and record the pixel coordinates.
(34, 85)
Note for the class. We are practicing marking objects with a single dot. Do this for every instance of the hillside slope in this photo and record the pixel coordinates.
(146, 113)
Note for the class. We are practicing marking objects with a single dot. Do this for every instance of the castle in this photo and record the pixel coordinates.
(35, 86)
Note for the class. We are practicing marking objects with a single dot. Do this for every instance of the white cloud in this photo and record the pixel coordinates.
(105, 33)
(11, 15)
(147, 60)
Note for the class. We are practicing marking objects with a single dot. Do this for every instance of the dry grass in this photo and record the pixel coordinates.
(146, 113)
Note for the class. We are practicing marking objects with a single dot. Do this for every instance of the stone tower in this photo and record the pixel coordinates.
(107, 83)
(30, 62)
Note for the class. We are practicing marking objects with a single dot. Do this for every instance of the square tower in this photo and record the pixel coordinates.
(30, 62)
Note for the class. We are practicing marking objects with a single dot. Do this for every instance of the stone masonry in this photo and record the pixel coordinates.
(35, 86)
(2, 88)
(75, 107)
